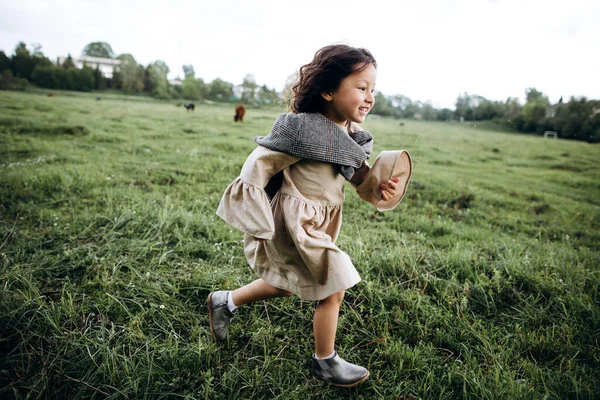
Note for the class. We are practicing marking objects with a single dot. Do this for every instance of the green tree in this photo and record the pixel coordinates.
(131, 74)
(220, 90)
(403, 106)
(400, 101)
(533, 117)
(578, 119)
(204, 88)
(175, 91)
(249, 89)
(139, 78)
(428, 112)
(39, 57)
(148, 79)
(37, 50)
(190, 89)
(513, 108)
(83, 79)
(188, 71)
(4, 61)
(535, 111)
(383, 105)
(10, 82)
(464, 107)
(65, 78)
(22, 62)
(98, 49)
(53, 77)
(99, 79)
(156, 81)
(268, 96)
(488, 110)
(115, 81)
(45, 76)
(68, 63)
(445, 114)
(532, 95)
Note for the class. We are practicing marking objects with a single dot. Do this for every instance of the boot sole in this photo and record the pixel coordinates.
(349, 385)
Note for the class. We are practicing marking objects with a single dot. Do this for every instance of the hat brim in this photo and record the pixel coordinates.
(388, 165)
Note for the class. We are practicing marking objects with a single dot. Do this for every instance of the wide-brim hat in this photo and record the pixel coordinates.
(388, 164)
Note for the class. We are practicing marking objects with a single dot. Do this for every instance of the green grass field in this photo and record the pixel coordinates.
(483, 283)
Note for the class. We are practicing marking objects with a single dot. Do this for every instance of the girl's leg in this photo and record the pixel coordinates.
(332, 369)
(325, 324)
(219, 307)
(255, 291)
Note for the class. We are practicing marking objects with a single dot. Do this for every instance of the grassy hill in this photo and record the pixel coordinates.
(483, 283)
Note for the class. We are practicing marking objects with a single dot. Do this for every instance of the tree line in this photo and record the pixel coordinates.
(27, 66)
(578, 118)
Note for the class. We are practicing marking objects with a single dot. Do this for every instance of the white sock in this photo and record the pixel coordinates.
(326, 358)
(230, 304)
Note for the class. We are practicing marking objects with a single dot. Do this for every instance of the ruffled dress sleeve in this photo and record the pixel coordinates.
(245, 204)
(388, 165)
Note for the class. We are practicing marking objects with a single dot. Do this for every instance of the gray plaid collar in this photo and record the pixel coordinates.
(313, 136)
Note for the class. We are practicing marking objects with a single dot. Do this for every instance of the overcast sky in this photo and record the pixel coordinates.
(427, 50)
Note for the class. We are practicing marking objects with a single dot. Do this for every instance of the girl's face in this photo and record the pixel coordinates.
(353, 99)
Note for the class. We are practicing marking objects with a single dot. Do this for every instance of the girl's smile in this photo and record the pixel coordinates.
(354, 98)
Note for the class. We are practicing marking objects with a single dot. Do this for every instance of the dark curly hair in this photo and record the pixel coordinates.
(330, 65)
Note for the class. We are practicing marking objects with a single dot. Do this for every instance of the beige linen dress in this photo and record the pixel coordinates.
(290, 241)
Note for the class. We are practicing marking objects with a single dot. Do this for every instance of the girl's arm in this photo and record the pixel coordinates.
(360, 174)
(245, 205)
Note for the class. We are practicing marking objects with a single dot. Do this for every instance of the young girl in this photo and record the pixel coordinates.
(288, 199)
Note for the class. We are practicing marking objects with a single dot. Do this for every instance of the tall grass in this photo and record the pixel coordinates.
(484, 283)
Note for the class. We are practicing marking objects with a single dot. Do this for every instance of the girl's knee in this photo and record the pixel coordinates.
(285, 293)
(336, 297)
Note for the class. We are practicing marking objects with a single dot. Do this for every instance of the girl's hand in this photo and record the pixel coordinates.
(388, 189)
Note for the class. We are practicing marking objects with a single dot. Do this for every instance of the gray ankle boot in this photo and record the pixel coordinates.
(218, 314)
(338, 371)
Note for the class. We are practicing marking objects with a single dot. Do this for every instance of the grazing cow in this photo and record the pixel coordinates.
(189, 107)
(240, 110)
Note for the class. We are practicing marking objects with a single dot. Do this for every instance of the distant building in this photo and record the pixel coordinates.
(238, 91)
(105, 65)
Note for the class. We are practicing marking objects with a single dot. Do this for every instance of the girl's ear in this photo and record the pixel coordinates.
(326, 96)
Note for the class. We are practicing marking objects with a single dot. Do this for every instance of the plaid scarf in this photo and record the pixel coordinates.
(313, 136)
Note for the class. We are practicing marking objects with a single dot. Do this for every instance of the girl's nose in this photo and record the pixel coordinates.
(370, 97)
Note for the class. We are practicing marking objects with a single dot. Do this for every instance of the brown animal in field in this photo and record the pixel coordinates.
(240, 111)
(189, 107)
(50, 94)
